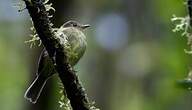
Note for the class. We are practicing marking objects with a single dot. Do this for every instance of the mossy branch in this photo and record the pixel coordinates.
(52, 43)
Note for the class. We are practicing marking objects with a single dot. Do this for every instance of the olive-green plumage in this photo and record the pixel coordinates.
(74, 47)
(77, 44)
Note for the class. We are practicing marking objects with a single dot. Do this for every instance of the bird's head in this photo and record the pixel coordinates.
(76, 24)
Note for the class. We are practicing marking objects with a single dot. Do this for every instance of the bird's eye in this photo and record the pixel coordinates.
(75, 25)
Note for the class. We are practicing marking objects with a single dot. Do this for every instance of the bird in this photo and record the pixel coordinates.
(72, 32)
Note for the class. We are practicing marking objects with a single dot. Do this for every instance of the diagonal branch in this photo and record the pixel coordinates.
(75, 91)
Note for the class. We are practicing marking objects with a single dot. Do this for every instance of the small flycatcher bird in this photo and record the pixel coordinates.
(76, 46)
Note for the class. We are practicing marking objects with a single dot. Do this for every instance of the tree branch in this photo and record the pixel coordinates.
(75, 92)
(189, 4)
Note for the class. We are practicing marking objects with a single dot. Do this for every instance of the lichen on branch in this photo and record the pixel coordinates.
(57, 53)
(184, 25)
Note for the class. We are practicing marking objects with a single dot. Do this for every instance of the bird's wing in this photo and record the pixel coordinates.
(42, 60)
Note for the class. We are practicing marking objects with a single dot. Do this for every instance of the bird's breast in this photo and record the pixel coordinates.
(77, 44)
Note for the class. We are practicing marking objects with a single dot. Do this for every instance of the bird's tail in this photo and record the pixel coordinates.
(33, 92)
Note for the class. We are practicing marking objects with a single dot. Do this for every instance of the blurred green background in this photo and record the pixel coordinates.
(132, 62)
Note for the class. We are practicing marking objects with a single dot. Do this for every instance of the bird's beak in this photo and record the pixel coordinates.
(85, 26)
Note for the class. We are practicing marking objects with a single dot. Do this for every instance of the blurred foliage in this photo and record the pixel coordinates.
(13, 67)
